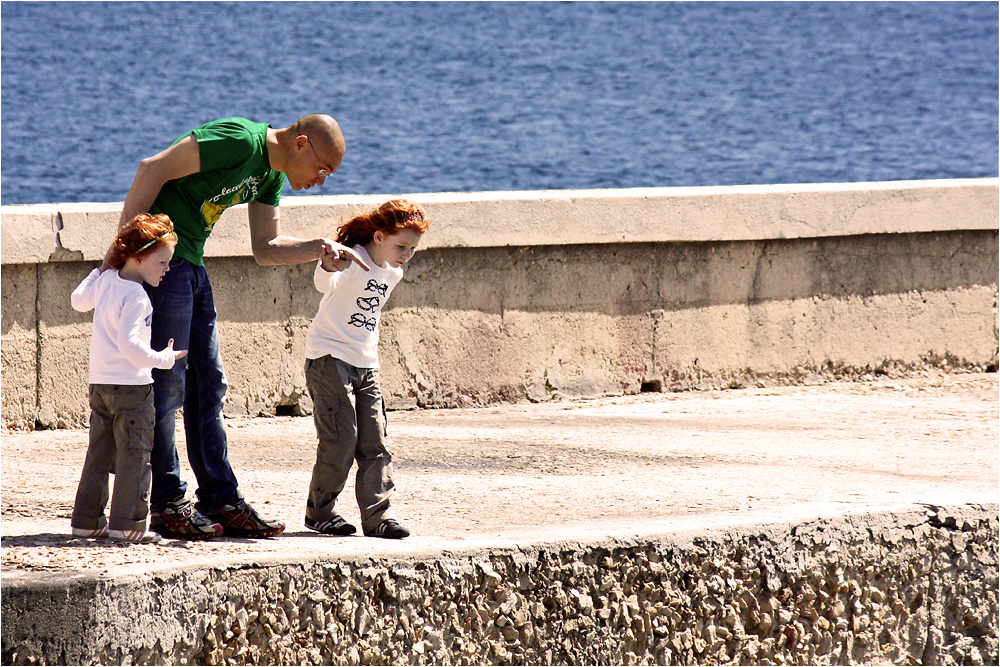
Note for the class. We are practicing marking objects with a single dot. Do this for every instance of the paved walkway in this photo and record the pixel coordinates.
(565, 471)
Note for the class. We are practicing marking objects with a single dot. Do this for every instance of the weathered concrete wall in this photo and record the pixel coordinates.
(906, 586)
(533, 295)
(586, 319)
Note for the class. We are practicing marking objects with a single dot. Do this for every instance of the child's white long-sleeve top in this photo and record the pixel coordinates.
(119, 349)
(346, 324)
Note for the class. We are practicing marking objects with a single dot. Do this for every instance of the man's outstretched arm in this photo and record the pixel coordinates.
(271, 248)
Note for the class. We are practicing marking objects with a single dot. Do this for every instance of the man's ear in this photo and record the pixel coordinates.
(301, 141)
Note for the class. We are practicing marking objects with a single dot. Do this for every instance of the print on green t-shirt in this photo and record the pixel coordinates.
(234, 170)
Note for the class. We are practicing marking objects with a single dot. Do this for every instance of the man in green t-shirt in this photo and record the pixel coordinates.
(220, 164)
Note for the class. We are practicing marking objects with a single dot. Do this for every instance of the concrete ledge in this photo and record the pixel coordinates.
(44, 232)
(911, 585)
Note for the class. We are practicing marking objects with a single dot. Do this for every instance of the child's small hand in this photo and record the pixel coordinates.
(332, 261)
(178, 354)
(340, 257)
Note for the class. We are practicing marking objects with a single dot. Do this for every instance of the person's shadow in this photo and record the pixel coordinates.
(48, 540)
(62, 540)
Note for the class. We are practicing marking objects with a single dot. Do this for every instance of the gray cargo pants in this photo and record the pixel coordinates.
(350, 424)
(121, 437)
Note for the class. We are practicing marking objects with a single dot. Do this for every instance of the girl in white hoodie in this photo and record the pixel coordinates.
(342, 368)
(121, 382)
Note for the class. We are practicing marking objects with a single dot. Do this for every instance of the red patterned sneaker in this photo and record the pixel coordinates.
(180, 520)
(238, 519)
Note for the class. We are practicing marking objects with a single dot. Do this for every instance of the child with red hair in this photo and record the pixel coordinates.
(121, 382)
(342, 368)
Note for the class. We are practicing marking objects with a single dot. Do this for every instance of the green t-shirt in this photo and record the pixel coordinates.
(234, 170)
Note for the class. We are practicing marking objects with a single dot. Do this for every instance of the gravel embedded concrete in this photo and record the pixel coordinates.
(565, 470)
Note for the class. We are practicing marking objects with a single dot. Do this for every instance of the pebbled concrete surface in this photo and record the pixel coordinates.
(571, 470)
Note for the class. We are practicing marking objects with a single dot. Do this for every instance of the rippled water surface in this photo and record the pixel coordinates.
(508, 96)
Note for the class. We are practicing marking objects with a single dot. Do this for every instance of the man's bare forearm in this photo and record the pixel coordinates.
(282, 250)
(141, 195)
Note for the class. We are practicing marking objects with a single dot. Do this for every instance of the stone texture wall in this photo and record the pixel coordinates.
(902, 587)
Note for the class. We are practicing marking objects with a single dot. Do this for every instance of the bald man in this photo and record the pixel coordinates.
(220, 164)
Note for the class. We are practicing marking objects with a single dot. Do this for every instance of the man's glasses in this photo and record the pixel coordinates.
(323, 173)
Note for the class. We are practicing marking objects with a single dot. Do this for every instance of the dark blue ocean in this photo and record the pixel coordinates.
(508, 96)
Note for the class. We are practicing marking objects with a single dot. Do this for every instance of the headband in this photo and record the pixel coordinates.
(161, 237)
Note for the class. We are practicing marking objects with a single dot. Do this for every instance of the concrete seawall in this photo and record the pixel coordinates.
(901, 587)
(572, 293)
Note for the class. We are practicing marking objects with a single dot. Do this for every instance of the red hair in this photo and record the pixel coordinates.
(390, 218)
(141, 236)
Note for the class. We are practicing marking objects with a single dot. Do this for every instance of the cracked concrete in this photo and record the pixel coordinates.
(61, 253)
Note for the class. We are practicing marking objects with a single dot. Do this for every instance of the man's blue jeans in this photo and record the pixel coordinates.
(184, 309)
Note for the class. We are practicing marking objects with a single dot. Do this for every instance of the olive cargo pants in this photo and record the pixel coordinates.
(350, 424)
(121, 437)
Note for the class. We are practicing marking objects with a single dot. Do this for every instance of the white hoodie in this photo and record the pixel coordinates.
(119, 349)
(346, 324)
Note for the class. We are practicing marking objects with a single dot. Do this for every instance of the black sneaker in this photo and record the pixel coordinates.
(179, 520)
(238, 519)
(335, 525)
(389, 529)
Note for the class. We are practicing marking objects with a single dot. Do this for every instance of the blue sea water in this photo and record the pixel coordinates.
(480, 96)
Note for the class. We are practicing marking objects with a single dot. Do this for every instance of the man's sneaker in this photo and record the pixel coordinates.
(180, 520)
(238, 519)
(135, 536)
(96, 533)
(389, 529)
(336, 525)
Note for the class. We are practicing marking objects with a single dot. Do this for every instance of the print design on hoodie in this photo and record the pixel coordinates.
(368, 305)
(374, 286)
